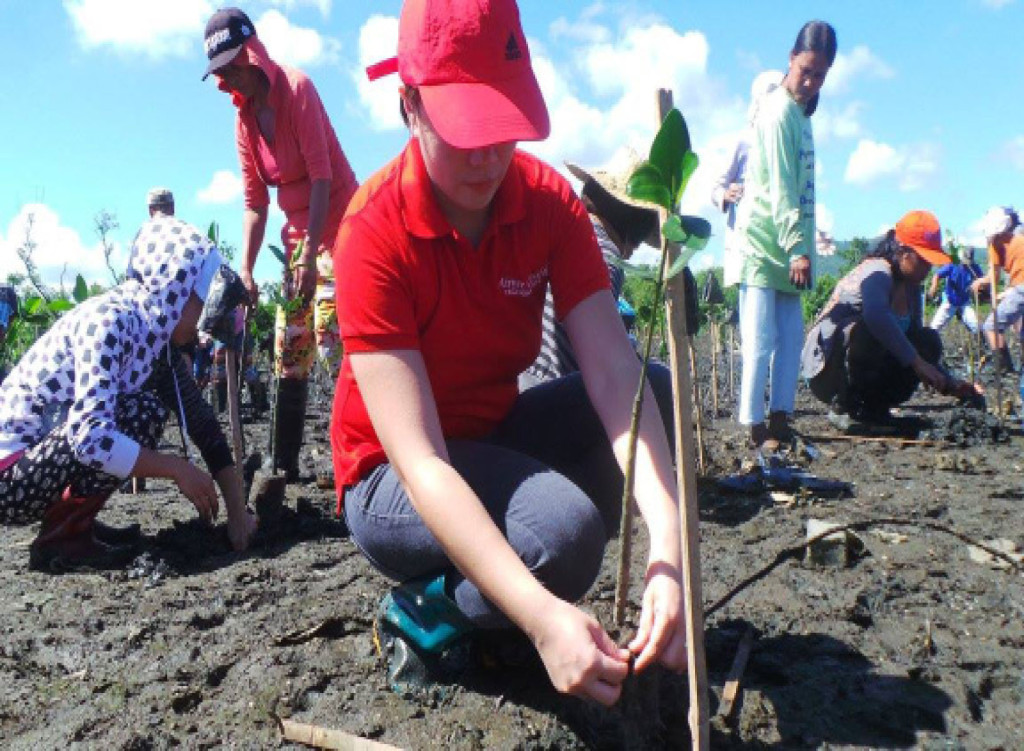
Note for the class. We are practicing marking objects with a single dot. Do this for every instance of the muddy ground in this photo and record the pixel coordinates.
(912, 646)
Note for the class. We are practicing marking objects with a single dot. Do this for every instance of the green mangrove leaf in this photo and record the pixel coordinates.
(670, 146)
(60, 305)
(690, 164)
(278, 254)
(649, 273)
(213, 233)
(673, 230)
(698, 231)
(648, 183)
(81, 290)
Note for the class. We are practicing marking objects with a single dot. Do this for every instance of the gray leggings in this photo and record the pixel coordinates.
(547, 477)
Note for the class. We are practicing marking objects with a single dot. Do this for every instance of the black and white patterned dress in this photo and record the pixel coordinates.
(92, 366)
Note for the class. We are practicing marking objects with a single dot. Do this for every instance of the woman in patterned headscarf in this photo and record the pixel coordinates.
(80, 412)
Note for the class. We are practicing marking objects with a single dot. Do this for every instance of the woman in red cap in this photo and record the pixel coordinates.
(492, 508)
(869, 348)
(285, 140)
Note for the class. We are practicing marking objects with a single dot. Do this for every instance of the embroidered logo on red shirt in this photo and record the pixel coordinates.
(523, 287)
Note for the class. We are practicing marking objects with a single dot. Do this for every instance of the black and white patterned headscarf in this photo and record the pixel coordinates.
(105, 346)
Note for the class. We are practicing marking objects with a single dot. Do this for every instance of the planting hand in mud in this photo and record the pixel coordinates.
(242, 521)
(661, 635)
(580, 658)
(930, 375)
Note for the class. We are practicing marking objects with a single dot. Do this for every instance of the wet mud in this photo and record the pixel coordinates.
(914, 644)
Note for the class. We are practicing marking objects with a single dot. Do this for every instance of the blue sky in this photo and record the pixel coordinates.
(102, 99)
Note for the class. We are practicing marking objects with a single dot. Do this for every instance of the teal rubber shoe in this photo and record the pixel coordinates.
(419, 632)
(422, 612)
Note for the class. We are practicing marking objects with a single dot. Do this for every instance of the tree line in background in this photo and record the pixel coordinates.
(42, 304)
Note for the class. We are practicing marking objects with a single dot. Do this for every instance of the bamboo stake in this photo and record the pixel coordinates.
(698, 412)
(232, 365)
(732, 366)
(1000, 339)
(679, 344)
(714, 367)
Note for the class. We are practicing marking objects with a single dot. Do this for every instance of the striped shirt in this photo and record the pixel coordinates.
(556, 358)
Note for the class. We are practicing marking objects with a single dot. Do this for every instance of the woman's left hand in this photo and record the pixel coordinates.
(800, 272)
(661, 635)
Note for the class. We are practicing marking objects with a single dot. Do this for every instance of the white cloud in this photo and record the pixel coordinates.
(225, 187)
(1013, 152)
(378, 40)
(824, 219)
(911, 166)
(59, 249)
(839, 124)
(134, 26)
(860, 61)
(323, 5)
(295, 45)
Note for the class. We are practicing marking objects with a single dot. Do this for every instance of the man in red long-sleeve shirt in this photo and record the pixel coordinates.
(285, 140)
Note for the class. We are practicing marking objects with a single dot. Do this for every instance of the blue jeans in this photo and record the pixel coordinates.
(771, 335)
(546, 476)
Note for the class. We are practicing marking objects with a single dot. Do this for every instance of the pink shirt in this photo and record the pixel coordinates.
(305, 148)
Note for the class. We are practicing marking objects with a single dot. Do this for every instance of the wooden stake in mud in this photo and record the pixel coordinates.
(997, 354)
(732, 366)
(232, 365)
(714, 367)
(679, 345)
(698, 413)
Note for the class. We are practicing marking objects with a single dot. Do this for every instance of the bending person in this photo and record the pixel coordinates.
(776, 226)
(963, 280)
(493, 507)
(285, 140)
(1005, 253)
(85, 407)
(869, 349)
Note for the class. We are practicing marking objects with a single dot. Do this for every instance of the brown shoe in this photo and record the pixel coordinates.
(66, 541)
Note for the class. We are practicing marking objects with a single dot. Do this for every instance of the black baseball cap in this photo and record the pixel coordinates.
(226, 32)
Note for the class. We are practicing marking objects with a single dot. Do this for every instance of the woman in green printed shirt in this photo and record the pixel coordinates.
(775, 227)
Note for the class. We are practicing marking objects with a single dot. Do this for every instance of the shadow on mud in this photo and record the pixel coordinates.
(190, 548)
(820, 691)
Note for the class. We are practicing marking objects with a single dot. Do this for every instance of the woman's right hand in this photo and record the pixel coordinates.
(929, 374)
(252, 288)
(198, 487)
(581, 659)
(800, 272)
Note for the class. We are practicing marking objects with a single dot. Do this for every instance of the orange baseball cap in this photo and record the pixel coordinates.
(920, 230)
(471, 65)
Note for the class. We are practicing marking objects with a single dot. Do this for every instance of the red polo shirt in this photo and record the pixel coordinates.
(407, 280)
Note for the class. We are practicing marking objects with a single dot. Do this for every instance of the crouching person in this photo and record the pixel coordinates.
(491, 507)
(869, 349)
(85, 407)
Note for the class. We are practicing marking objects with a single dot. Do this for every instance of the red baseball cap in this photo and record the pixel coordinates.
(471, 65)
(920, 230)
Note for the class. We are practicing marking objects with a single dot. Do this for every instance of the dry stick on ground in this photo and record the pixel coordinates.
(732, 682)
(872, 439)
(795, 551)
(689, 512)
(318, 737)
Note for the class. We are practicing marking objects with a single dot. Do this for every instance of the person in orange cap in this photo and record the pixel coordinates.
(491, 507)
(869, 348)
